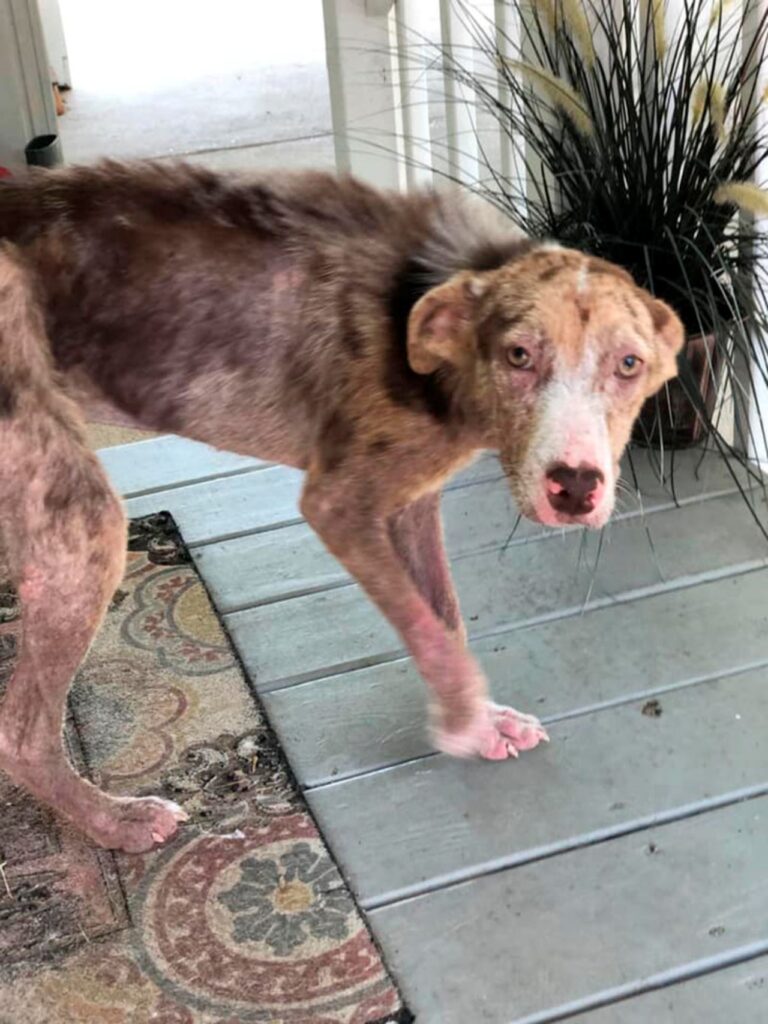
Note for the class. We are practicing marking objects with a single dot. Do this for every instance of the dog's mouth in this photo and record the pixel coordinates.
(543, 514)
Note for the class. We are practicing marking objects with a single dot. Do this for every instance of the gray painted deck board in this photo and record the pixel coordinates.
(736, 994)
(601, 773)
(323, 633)
(345, 725)
(249, 570)
(168, 461)
(229, 505)
(514, 946)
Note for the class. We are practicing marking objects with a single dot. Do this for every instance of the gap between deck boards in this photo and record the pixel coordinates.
(654, 982)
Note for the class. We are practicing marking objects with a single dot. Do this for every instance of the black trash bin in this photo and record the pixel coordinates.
(44, 151)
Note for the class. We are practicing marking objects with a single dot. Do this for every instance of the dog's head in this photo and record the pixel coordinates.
(558, 351)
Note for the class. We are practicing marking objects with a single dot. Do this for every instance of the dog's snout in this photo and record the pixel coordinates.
(573, 490)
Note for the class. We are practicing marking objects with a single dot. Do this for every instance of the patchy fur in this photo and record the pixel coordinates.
(378, 341)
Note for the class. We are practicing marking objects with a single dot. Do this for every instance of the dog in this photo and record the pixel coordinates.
(377, 341)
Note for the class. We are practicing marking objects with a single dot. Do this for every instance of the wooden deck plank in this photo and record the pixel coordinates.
(166, 462)
(735, 994)
(364, 720)
(228, 505)
(292, 561)
(526, 945)
(602, 774)
(338, 629)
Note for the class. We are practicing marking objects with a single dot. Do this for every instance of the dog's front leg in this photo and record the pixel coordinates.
(417, 536)
(465, 721)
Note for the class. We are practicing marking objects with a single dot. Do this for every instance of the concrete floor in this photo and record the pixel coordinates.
(241, 84)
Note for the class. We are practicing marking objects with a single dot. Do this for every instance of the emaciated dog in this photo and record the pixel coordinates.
(376, 341)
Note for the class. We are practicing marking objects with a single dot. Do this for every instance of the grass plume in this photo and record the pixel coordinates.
(747, 196)
(559, 92)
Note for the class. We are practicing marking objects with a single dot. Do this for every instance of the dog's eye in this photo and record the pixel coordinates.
(630, 366)
(519, 357)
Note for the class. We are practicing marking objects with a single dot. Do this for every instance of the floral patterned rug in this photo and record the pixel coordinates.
(244, 916)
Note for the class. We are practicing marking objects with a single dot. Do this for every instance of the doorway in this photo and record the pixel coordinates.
(237, 84)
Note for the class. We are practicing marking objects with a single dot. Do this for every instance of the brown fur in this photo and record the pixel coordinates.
(306, 319)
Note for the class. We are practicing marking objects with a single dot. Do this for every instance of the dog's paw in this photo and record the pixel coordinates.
(495, 733)
(135, 824)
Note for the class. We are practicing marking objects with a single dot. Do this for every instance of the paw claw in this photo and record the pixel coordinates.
(178, 812)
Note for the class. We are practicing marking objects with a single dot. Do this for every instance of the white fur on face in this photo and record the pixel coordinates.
(582, 281)
(572, 429)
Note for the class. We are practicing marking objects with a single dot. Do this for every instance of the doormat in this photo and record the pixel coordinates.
(243, 916)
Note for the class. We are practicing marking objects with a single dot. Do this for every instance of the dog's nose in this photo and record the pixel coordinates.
(573, 490)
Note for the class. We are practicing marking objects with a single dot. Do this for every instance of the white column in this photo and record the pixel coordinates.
(462, 156)
(757, 413)
(515, 157)
(413, 50)
(361, 55)
(53, 31)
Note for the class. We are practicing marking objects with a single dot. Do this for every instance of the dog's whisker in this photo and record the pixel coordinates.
(654, 555)
(508, 541)
(593, 578)
(583, 541)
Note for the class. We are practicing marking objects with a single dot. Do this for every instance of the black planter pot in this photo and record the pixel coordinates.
(670, 419)
(43, 151)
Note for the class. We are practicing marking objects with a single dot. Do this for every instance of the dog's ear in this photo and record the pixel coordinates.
(441, 324)
(667, 327)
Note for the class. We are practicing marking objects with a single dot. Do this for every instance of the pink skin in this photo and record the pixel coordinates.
(585, 447)
(464, 722)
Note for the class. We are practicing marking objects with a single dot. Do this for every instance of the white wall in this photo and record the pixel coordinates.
(53, 31)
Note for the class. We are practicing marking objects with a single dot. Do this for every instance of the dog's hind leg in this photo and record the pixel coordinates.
(63, 531)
